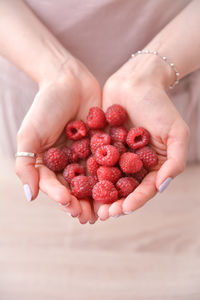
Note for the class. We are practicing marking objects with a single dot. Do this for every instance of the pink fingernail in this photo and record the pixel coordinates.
(164, 185)
(27, 192)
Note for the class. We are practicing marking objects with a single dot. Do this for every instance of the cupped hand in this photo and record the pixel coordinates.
(148, 106)
(68, 95)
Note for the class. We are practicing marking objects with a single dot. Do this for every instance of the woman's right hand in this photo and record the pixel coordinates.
(66, 96)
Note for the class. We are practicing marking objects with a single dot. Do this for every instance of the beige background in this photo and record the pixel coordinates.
(152, 254)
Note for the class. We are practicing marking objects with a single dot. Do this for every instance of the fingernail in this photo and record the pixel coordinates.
(117, 216)
(164, 185)
(68, 213)
(27, 192)
(128, 212)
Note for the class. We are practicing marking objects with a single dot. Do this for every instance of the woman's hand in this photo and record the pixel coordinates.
(143, 95)
(66, 96)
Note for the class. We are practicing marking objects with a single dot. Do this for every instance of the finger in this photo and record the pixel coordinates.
(51, 186)
(103, 212)
(115, 209)
(86, 214)
(144, 192)
(176, 160)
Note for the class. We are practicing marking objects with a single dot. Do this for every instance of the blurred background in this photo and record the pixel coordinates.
(152, 254)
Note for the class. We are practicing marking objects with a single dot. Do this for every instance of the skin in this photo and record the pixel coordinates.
(140, 86)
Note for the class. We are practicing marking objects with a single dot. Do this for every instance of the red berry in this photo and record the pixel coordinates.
(139, 176)
(76, 130)
(116, 115)
(72, 171)
(130, 163)
(120, 147)
(118, 134)
(55, 159)
(81, 187)
(71, 157)
(99, 140)
(96, 118)
(92, 165)
(109, 173)
(93, 180)
(107, 155)
(104, 192)
(81, 148)
(126, 185)
(137, 138)
(148, 157)
(95, 131)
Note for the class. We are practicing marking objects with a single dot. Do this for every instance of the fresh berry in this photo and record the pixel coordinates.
(92, 165)
(137, 138)
(72, 171)
(71, 157)
(93, 180)
(118, 134)
(96, 118)
(81, 187)
(130, 163)
(109, 173)
(116, 115)
(99, 140)
(148, 157)
(107, 155)
(81, 148)
(55, 159)
(126, 185)
(139, 176)
(95, 131)
(76, 130)
(120, 147)
(104, 192)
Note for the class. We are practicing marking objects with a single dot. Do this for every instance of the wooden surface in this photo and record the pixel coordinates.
(153, 254)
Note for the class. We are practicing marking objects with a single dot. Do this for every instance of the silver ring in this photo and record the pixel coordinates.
(25, 154)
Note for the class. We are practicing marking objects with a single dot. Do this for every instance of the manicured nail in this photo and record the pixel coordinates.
(27, 192)
(164, 185)
(128, 212)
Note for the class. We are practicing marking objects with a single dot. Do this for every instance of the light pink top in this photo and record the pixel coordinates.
(102, 34)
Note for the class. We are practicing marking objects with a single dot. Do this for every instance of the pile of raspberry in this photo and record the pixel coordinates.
(104, 161)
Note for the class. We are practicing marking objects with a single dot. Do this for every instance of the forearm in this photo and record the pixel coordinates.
(27, 43)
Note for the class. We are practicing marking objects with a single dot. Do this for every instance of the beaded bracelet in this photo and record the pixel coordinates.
(164, 58)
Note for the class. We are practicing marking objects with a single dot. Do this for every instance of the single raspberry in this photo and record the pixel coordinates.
(116, 115)
(71, 157)
(76, 130)
(118, 134)
(107, 155)
(109, 173)
(92, 165)
(130, 163)
(126, 185)
(81, 148)
(120, 147)
(148, 157)
(95, 131)
(139, 176)
(73, 170)
(96, 118)
(99, 140)
(55, 159)
(104, 192)
(93, 180)
(137, 138)
(81, 187)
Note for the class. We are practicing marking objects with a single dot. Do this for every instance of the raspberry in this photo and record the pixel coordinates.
(93, 180)
(109, 173)
(99, 140)
(55, 159)
(81, 187)
(130, 163)
(81, 148)
(118, 134)
(71, 157)
(137, 138)
(139, 176)
(95, 131)
(76, 130)
(116, 115)
(72, 171)
(107, 155)
(126, 185)
(104, 192)
(96, 118)
(120, 147)
(148, 157)
(92, 165)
